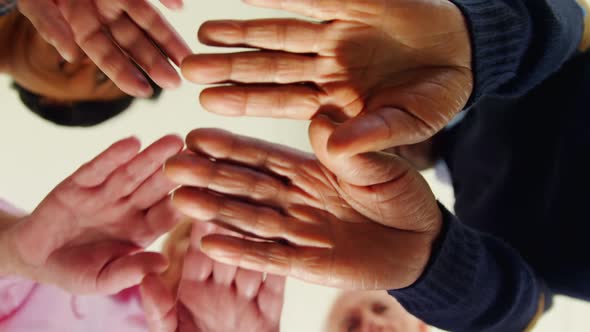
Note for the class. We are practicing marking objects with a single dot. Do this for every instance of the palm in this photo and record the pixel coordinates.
(328, 226)
(115, 35)
(88, 233)
(403, 67)
(212, 297)
(219, 308)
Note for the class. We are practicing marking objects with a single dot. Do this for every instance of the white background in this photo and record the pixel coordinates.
(36, 156)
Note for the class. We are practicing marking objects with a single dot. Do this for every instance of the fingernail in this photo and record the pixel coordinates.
(176, 5)
(173, 80)
(145, 90)
(250, 291)
(68, 57)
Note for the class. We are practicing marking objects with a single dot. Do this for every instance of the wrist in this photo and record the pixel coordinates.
(434, 235)
(11, 262)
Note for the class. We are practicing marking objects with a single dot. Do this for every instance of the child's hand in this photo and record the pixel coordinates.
(212, 296)
(88, 234)
(319, 228)
(114, 35)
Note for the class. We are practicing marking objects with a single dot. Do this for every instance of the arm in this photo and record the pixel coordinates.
(8, 218)
(475, 282)
(516, 44)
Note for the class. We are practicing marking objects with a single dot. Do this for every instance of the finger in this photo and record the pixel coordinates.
(51, 25)
(285, 101)
(96, 171)
(116, 65)
(255, 67)
(91, 37)
(159, 305)
(289, 35)
(248, 219)
(150, 20)
(197, 266)
(252, 152)
(318, 9)
(421, 107)
(248, 283)
(224, 274)
(173, 4)
(144, 52)
(378, 130)
(160, 219)
(271, 297)
(152, 190)
(308, 264)
(126, 179)
(200, 229)
(198, 171)
(128, 271)
(365, 169)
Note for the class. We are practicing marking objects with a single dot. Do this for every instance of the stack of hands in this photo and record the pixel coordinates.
(374, 78)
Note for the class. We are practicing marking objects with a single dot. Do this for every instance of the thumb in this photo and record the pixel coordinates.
(383, 187)
(359, 169)
(51, 25)
(405, 114)
(378, 130)
(159, 305)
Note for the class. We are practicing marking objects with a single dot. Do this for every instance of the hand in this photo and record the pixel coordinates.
(316, 227)
(422, 156)
(391, 72)
(87, 236)
(213, 297)
(114, 35)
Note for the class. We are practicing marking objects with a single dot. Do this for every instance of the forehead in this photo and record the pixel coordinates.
(37, 70)
(359, 299)
(349, 302)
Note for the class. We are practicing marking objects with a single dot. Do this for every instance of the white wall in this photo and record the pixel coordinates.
(36, 155)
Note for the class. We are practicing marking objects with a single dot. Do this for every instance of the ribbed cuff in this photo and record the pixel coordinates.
(499, 39)
(450, 274)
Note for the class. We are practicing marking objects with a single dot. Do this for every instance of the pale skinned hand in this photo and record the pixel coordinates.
(114, 35)
(213, 297)
(318, 228)
(89, 234)
(391, 72)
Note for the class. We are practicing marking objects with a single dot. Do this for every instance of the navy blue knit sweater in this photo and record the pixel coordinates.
(519, 168)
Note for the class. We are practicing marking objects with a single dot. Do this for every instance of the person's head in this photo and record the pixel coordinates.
(70, 94)
(371, 311)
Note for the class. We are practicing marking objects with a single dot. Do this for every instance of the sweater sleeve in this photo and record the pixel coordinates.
(519, 43)
(475, 282)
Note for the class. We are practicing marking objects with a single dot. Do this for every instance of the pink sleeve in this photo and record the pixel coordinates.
(10, 209)
(26, 306)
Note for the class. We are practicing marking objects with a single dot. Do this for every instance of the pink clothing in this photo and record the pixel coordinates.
(29, 307)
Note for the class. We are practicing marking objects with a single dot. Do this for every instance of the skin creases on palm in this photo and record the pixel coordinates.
(89, 234)
(317, 225)
(391, 72)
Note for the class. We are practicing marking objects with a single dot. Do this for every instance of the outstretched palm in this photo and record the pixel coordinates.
(393, 71)
(115, 35)
(88, 234)
(322, 229)
(212, 297)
